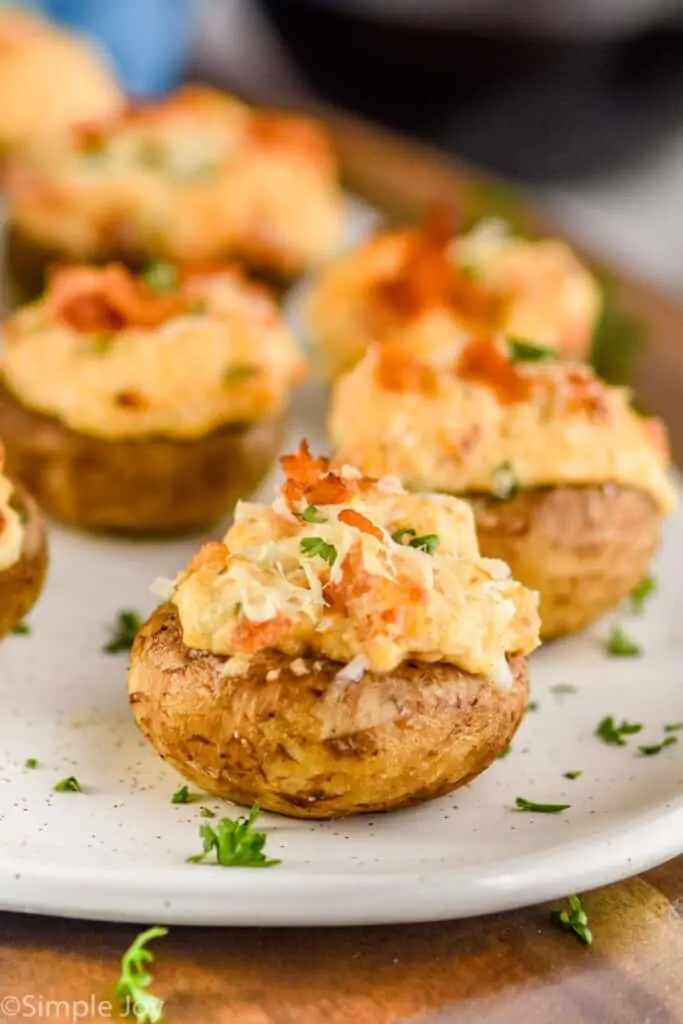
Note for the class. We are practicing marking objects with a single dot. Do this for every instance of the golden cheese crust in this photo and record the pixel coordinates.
(424, 286)
(305, 744)
(195, 177)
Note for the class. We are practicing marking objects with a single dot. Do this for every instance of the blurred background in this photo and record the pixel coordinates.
(579, 101)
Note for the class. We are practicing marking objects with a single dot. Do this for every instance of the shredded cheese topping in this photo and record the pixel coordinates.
(426, 286)
(462, 417)
(110, 355)
(356, 570)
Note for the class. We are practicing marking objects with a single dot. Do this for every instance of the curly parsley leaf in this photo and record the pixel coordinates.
(655, 748)
(573, 920)
(428, 543)
(620, 645)
(132, 987)
(523, 351)
(529, 805)
(311, 514)
(312, 546)
(609, 732)
(641, 592)
(126, 628)
(161, 277)
(236, 843)
(68, 785)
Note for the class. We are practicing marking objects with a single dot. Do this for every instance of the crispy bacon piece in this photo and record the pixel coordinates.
(483, 361)
(397, 370)
(353, 518)
(108, 298)
(252, 636)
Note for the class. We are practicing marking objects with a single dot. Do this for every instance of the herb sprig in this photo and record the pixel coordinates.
(312, 546)
(620, 645)
(530, 805)
(133, 984)
(573, 920)
(609, 732)
(124, 631)
(649, 750)
(68, 785)
(236, 843)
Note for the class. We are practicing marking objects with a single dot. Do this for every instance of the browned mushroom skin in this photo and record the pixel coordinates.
(22, 582)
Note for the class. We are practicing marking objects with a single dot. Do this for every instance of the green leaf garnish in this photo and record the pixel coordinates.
(405, 531)
(655, 748)
(312, 546)
(571, 775)
(22, 629)
(161, 277)
(523, 351)
(428, 543)
(673, 727)
(311, 514)
(68, 785)
(131, 988)
(563, 688)
(620, 645)
(206, 812)
(182, 796)
(239, 372)
(504, 753)
(609, 732)
(641, 592)
(530, 805)
(504, 483)
(532, 705)
(573, 920)
(236, 843)
(31, 762)
(127, 627)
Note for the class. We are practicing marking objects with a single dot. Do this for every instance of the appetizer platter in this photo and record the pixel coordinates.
(305, 541)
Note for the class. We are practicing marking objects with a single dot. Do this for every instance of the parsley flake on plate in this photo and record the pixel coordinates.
(22, 629)
(533, 705)
(236, 843)
(161, 277)
(641, 592)
(673, 727)
(620, 645)
(312, 546)
(529, 805)
(504, 753)
(311, 514)
(609, 732)
(523, 351)
(126, 628)
(572, 775)
(68, 785)
(655, 748)
(206, 812)
(133, 984)
(563, 688)
(428, 543)
(183, 796)
(573, 920)
(31, 762)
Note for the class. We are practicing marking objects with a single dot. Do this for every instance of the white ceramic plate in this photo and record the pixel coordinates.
(118, 850)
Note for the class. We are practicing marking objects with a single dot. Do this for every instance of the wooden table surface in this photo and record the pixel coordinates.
(503, 969)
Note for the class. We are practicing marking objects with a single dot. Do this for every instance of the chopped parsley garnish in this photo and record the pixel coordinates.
(405, 531)
(573, 920)
(641, 592)
(504, 483)
(563, 688)
(206, 812)
(504, 753)
(620, 645)
(609, 732)
(127, 627)
(428, 543)
(22, 629)
(523, 351)
(31, 762)
(572, 775)
(182, 796)
(673, 727)
(529, 805)
(132, 986)
(655, 748)
(68, 785)
(311, 514)
(239, 372)
(161, 277)
(312, 546)
(532, 705)
(236, 843)
(101, 343)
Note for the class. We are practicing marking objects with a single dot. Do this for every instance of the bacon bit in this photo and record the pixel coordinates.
(252, 636)
(396, 370)
(108, 298)
(306, 478)
(133, 400)
(211, 553)
(483, 362)
(331, 490)
(353, 518)
(302, 467)
(586, 392)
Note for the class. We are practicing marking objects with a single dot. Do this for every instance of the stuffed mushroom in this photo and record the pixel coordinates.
(145, 404)
(426, 285)
(567, 481)
(23, 552)
(345, 649)
(196, 177)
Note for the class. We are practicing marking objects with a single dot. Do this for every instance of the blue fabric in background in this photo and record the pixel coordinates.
(148, 41)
